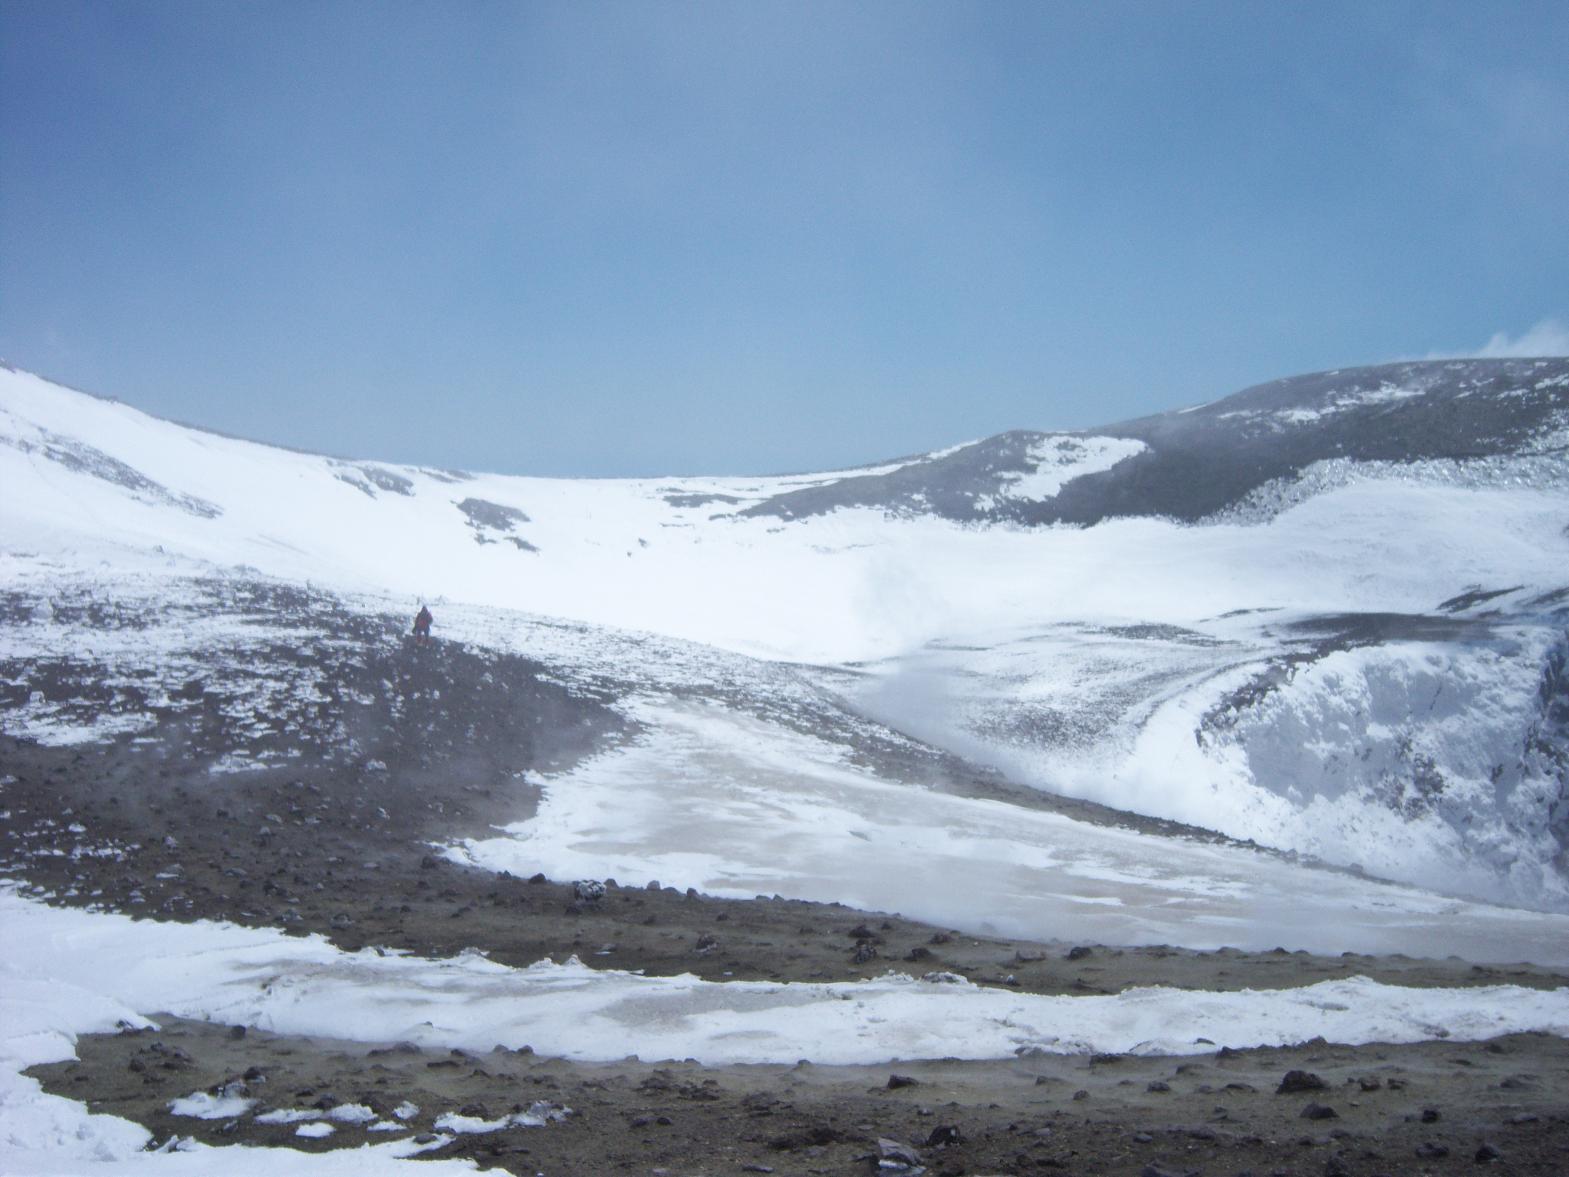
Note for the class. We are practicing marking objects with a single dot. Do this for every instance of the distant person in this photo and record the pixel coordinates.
(422, 621)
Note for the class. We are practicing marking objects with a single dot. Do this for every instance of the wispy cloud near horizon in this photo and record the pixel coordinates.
(1548, 337)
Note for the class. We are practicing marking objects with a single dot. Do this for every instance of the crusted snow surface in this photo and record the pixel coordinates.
(728, 804)
(69, 972)
(1418, 760)
(1545, 469)
(1433, 760)
(45, 1003)
(305, 986)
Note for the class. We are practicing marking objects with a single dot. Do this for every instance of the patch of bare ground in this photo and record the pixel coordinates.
(1431, 1108)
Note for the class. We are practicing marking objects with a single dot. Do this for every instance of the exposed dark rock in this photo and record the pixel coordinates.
(81, 458)
(1300, 1081)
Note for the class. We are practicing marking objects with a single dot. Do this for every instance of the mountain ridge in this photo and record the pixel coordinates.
(1280, 396)
(1198, 461)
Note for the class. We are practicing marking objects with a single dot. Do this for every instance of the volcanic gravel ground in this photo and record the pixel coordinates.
(315, 808)
(1429, 1108)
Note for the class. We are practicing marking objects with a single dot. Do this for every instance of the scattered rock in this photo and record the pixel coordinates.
(943, 1134)
(813, 1137)
(1488, 1153)
(1427, 1150)
(1319, 1111)
(1430, 1115)
(1079, 952)
(1300, 1081)
(892, 1150)
(398, 1048)
(1157, 1085)
(588, 890)
(896, 1081)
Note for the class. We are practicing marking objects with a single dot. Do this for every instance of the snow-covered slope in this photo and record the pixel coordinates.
(1247, 452)
(1359, 655)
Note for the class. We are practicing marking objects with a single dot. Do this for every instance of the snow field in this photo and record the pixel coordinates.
(849, 586)
(735, 807)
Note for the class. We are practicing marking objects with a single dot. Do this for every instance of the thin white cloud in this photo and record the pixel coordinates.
(1550, 337)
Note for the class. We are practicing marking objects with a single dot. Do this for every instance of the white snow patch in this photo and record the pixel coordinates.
(290, 1115)
(206, 1106)
(305, 986)
(1060, 459)
(538, 1115)
(351, 1113)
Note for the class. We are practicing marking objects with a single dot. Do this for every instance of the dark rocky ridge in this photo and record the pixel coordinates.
(1204, 460)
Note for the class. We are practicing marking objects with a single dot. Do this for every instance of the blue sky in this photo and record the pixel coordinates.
(640, 238)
